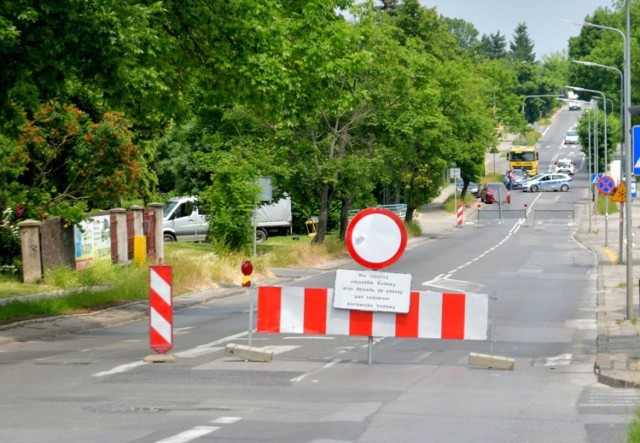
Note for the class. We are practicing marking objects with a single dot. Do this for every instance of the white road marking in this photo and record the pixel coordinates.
(204, 349)
(190, 435)
(446, 277)
(119, 369)
(303, 376)
(226, 420)
(208, 348)
(309, 337)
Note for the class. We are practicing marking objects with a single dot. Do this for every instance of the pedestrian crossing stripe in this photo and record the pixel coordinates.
(620, 194)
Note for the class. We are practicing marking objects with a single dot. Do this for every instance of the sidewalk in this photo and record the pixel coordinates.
(618, 343)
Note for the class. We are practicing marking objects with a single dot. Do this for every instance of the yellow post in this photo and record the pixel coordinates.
(140, 249)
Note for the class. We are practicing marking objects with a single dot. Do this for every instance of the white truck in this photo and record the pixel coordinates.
(183, 222)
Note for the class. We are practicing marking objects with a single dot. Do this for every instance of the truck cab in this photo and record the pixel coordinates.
(525, 158)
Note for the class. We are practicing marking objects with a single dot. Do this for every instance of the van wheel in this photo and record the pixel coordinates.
(169, 237)
(261, 235)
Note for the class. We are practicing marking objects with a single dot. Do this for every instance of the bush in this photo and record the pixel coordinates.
(10, 251)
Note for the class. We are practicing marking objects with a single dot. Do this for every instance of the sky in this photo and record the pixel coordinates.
(544, 18)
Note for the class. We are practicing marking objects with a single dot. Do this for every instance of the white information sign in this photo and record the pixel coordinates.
(92, 240)
(372, 291)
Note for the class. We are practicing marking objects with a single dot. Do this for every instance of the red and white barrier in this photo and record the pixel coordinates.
(431, 315)
(160, 308)
(460, 211)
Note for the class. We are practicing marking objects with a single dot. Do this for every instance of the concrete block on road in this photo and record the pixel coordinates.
(160, 358)
(248, 353)
(491, 361)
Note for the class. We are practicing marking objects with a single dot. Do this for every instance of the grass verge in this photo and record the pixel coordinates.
(195, 267)
(633, 431)
(450, 203)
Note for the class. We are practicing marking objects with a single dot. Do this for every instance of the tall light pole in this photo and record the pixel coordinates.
(628, 169)
(606, 159)
(590, 171)
(611, 68)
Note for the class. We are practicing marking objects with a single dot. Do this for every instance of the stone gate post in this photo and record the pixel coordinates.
(31, 251)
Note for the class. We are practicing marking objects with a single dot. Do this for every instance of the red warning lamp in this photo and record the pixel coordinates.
(247, 267)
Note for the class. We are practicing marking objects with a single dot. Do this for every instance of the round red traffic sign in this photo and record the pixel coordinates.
(606, 185)
(376, 238)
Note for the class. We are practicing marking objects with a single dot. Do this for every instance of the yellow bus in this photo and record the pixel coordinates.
(524, 157)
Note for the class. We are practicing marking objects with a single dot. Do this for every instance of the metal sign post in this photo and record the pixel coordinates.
(376, 238)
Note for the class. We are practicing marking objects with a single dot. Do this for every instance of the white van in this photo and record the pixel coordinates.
(183, 222)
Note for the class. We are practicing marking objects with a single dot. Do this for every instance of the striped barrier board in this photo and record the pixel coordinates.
(436, 315)
(160, 308)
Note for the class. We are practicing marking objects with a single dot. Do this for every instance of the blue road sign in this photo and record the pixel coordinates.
(636, 149)
(594, 178)
(606, 185)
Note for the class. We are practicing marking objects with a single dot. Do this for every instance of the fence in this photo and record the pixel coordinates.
(554, 214)
(536, 215)
(400, 210)
(108, 236)
(497, 214)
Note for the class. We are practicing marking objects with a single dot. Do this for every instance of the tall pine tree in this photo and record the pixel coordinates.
(522, 46)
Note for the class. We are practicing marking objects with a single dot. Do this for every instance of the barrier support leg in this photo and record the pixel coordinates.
(491, 361)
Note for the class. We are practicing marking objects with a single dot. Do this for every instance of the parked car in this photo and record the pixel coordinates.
(547, 182)
(571, 137)
(494, 192)
(566, 166)
(520, 174)
(473, 187)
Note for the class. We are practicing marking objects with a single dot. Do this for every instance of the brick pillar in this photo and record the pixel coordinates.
(31, 252)
(122, 248)
(138, 217)
(157, 208)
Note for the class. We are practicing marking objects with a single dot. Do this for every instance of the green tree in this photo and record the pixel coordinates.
(521, 47)
(99, 55)
(417, 21)
(465, 32)
(493, 46)
(467, 104)
(586, 129)
(65, 163)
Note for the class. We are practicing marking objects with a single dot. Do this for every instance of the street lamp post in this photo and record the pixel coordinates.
(606, 148)
(611, 68)
(590, 171)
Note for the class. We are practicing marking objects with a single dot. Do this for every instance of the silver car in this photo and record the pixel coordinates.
(547, 182)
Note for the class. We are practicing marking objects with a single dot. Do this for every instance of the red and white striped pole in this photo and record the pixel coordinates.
(460, 212)
(160, 308)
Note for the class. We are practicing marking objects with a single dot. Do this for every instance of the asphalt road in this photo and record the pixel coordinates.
(94, 386)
